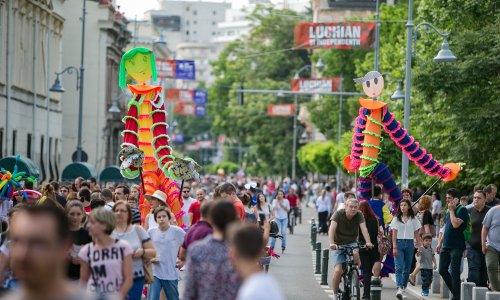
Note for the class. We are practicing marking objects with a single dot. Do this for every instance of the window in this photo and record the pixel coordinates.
(195, 12)
(42, 141)
(214, 12)
(194, 32)
(14, 137)
(213, 32)
(28, 147)
(187, 22)
(195, 22)
(213, 23)
(187, 32)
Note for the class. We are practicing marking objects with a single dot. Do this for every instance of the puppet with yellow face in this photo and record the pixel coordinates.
(365, 149)
(146, 131)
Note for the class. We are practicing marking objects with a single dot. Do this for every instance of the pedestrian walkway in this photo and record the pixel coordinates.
(295, 269)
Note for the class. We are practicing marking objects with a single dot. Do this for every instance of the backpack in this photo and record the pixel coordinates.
(468, 225)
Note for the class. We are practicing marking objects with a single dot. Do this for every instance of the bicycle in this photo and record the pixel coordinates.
(350, 274)
(291, 220)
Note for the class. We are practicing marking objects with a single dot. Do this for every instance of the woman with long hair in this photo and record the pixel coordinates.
(324, 207)
(280, 209)
(111, 257)
(263, 207)
(405, 227)
(370, 258)
(80, 236)
(250, 211)
(424, 216)
(139, 240)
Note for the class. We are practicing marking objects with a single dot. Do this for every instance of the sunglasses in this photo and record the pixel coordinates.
(185, 191)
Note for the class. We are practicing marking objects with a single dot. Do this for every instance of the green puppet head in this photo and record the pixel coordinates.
(139, 63)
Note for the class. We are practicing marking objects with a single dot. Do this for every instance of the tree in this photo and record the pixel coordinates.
(263, 60)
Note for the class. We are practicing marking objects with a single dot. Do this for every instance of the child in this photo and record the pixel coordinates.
(427, 261)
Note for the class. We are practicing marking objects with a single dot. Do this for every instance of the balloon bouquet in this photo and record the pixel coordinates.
(145, 149)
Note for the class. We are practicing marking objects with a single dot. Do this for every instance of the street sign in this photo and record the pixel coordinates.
(185, 69)
(316, 84)
(338, 35)
(200, 97)
(200, 110)
(184, 109)
(176, 95)
(280, 110)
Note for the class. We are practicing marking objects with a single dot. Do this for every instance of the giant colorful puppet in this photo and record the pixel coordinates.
(365, 149)
(145, 149)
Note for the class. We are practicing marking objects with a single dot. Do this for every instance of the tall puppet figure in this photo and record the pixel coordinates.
(145, 137)
(373, 117)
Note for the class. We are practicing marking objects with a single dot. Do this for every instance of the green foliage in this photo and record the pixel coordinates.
(258, 63)
(317, 157)
(227, 166)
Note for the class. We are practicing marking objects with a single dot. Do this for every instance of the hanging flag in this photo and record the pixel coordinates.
(165, 68)
(200, 97)
(338, 35)
(184, 69)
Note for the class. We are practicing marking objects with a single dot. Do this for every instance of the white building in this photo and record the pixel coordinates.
(30, 52)
(105, 39)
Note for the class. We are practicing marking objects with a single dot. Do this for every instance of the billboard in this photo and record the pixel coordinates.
(167, 23)
(184, 69)
(338, 35)
(280, 110)
(317, 85)
(165, 68)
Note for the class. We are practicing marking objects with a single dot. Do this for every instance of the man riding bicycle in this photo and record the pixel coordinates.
(343, 231)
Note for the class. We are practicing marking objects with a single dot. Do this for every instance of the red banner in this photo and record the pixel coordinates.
(316, 84)
(165, 68)
(175, 95)
(339, 35)
(184, 109)
(280, 110)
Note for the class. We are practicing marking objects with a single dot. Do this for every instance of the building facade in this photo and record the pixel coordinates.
(30, 115)
(106, 37)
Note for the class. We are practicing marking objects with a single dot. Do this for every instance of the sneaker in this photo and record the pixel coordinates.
(334, 296)
(404, 293)
(282, 250)
(412, 278)
(425, 293)
(399, 294)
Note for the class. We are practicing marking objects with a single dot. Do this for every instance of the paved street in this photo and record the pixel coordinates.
(294, 270)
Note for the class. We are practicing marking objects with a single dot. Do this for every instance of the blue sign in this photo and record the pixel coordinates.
(184, 69)
(200, 97)
(200, 111)
(179, 138)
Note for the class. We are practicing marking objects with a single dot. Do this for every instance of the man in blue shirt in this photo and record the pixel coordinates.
(452, 243)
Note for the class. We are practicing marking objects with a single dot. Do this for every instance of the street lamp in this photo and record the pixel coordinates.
(398, 94)
(444, 55)
(57, 87)
(114, 109)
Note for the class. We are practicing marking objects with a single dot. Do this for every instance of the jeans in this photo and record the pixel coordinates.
(135, 292)
(451, 258)
(403, 261)
(168, 286)
(492, 264)
(477, 267)
(426, 275)
(283, 225)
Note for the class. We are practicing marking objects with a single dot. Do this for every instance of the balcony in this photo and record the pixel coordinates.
(353, 4)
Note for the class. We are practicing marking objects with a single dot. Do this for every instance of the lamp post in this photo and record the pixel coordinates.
(57, 87)
(444, 55)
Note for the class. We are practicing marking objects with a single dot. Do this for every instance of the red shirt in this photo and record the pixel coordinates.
(293, 199)
(195, 210)
(240, 210)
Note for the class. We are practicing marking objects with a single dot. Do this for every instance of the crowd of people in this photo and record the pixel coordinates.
(81, 241)
(400, 239)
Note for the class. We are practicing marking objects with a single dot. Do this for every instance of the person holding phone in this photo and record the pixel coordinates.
(451, 245)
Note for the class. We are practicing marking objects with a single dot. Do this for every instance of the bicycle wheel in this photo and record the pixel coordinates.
(292, 221)
(355, 291)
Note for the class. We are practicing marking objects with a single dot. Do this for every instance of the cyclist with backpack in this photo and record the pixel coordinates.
(451, 245)
(344, 228)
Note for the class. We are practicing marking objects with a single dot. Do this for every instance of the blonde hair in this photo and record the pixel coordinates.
(104, 216)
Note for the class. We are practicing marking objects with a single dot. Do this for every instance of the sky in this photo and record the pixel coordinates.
(131, 8)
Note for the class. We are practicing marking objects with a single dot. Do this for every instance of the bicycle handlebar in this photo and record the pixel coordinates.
(351, 247)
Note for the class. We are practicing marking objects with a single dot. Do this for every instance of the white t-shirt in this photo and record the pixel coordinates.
(150, 219)
(406, 231)
(106, 265)
(167, 245)
(280, 212)
(437, 206)
(260, 286)
(185, 209)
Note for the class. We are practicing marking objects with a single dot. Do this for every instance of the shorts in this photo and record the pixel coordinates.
(338, 256)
